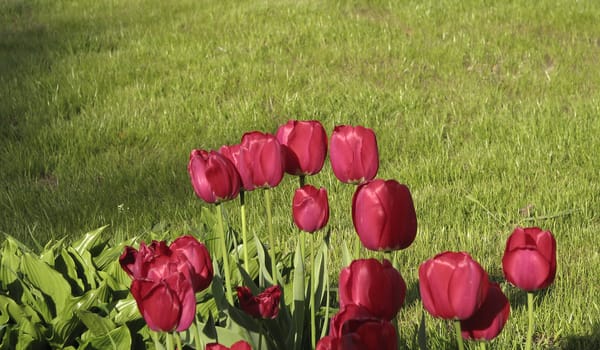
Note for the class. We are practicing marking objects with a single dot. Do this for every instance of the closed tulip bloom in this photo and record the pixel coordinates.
(305, 146)
(214, 177)
(384, 215)
(346, 313)
(453, 286)
(529, 260)
(264, 160)
(373, 285)
(353, 153)
(240, 345)
(488, 321)
(263, 305)
(310, 208)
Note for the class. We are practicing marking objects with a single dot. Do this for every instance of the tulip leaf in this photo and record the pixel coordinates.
(346, 257)
(263, 260)
(299, 310)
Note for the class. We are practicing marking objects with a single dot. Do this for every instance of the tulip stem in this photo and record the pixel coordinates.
(459, 338)
(177, 341)
(169, 344)
(271, 236)
(482, 345)
(225, 255)
(530, 329)
(244, 231)
(313, 326)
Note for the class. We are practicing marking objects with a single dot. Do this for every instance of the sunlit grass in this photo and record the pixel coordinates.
(484, 109)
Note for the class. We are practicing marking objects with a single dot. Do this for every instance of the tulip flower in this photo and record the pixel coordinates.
(240, 345)
(264, 305)
(353, 154)
(362, 334)
(190, 257)
(346, 313)
(453, 285)
(376, 286)
(384, 215)
(305, 146)
(529, 260)
(165, 280)
(213, 176)
(258, 160)
(488, 321)
(310, 208)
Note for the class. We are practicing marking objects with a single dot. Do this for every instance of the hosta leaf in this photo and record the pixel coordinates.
(65, 264)
(117, 339)
(90, 241)
(86, 270)
(126, 310)
(46, 279)
(96, 324)
(9, 263)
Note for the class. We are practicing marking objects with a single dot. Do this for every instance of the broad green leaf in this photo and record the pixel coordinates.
(18, 313)
(126, 310)
(46, 279)
(96, 324)
(51, 250)
(86, 270)
(89, 241)
(65, 264)
(117, 339)
(9, 263)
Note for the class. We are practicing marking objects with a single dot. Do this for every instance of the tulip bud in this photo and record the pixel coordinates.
(310, 208)
(375, 286)
(353, 154)
(213, 176)
(240, 345)
(258, 160)
(305, 146)
(488, 321)
(384, 215)
(263, 305)
(452, 285)
(529, 260)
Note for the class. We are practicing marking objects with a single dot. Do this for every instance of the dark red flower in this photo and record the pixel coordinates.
(214, 177)
(452, 285)
(529, 260)
(353, 154)
(305, 146)
(377, 287)
(488, 321)
(310, 208)
(240, 345)
(263, 305)
(384, 215)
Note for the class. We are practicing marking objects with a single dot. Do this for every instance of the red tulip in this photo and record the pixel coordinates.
(214, 177)
(240, 345)
(165, 280)
(310, 208)
(258, 160)
(362, 334)
(353, 154)
(166, 304)
(264, 305)
(376, 286)
(346, 313)
(488, 321)
(384, 215)
(190, 257)
(305, 146)
(529, 260)
(452, 285)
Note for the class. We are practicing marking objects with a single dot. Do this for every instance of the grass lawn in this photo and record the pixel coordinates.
(489, 112)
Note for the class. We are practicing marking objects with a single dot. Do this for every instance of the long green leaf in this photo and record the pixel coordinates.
(299, 311)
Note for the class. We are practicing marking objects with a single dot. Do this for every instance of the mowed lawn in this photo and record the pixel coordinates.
(489, 111)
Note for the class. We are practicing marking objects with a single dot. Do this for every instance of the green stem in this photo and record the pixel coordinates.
(244, 232)
(313, 326)
(459, 338)
(357, 244)
(530, 329)
(169, 344)
(482, 345)
(271, 236)
(177, 341)
(225, 255)
(197, 338)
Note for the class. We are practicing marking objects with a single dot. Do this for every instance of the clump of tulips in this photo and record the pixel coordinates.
(453, 286)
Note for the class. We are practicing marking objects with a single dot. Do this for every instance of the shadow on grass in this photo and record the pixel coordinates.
(583, 342)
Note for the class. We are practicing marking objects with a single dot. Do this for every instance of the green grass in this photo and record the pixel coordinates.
(483, 108)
